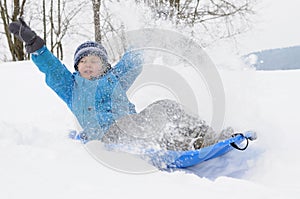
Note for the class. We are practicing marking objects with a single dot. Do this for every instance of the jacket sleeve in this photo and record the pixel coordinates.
(58, 77)
(128, 68)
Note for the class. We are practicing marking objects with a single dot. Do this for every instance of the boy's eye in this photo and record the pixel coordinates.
(91, 61)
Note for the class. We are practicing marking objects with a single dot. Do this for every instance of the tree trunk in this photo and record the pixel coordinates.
(58, 32)
(44, 21)
(52, 26)
(16, 46)
(96, 9)
(7, 33)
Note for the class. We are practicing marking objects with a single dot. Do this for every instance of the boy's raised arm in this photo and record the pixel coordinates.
(58, 77)
(128, 68)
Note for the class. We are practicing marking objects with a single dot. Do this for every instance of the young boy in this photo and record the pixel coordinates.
(96, 94)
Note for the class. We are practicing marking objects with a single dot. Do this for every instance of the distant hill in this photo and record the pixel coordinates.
(275, 59)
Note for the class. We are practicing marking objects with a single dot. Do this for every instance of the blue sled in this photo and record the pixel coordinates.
(183, 159)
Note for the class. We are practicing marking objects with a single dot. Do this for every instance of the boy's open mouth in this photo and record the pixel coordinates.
(88, 72)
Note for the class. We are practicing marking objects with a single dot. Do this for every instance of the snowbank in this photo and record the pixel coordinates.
(38, 161)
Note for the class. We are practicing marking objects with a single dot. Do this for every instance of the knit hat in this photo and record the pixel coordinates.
(90, 48)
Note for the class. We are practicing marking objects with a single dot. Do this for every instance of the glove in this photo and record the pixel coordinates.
(23, 32)
(81, 136)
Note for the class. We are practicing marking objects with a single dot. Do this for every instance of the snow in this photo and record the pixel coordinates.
(39, 161)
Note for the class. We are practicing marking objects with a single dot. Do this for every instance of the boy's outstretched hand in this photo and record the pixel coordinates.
(24, 33)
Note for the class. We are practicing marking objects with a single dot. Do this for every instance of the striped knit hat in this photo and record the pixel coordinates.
(90, 48)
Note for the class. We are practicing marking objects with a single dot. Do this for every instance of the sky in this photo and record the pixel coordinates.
(276, 26)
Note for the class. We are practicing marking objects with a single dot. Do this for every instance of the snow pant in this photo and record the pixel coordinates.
(164, 125)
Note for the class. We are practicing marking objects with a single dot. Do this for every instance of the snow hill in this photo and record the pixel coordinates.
(38, 161)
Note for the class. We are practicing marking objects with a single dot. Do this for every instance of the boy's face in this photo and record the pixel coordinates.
(90, 67)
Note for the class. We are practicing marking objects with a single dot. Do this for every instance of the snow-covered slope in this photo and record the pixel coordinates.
(38, 161)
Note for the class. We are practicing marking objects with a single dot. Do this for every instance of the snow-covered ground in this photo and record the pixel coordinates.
(39, 161)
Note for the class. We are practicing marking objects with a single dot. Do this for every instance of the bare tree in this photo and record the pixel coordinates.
(55, 19)
(218, 18)
(214, 18)
(15, 46)
(60, 18)
(55, 31)
(106, 27)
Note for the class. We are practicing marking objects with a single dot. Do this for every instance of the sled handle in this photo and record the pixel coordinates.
(234, 145)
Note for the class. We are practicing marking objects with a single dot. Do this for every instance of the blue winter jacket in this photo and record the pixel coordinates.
(95, 103)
